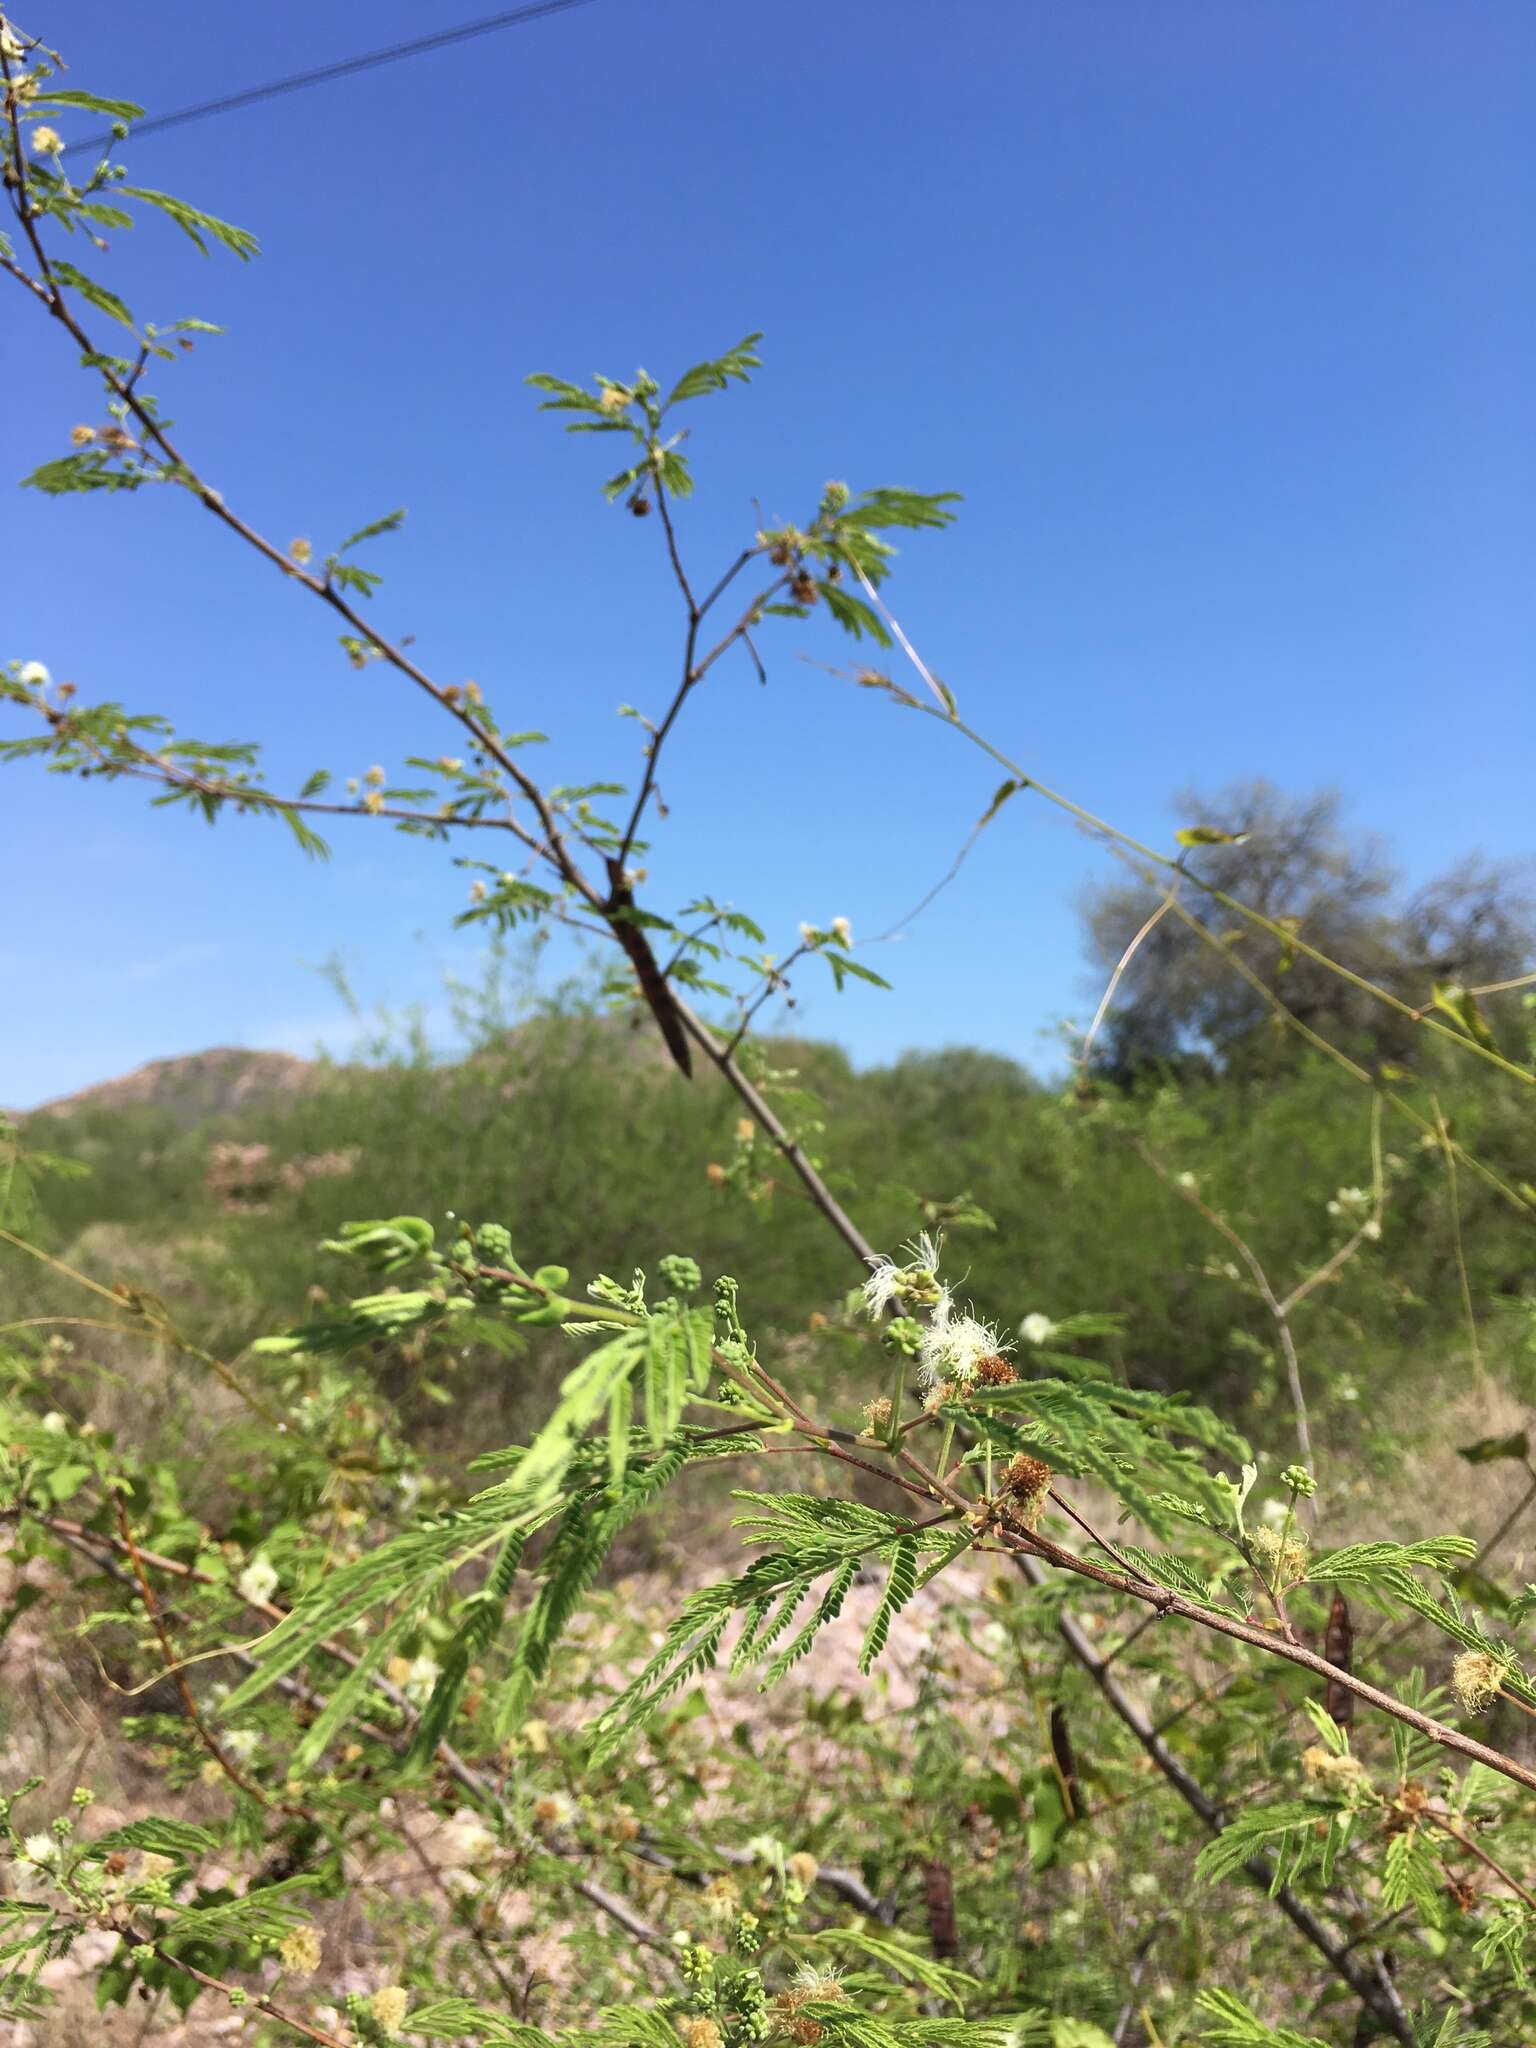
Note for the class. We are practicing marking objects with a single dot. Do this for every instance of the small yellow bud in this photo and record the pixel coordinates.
(746, 1130)
(802, 1866)
(82, 436)
(373, 802)
(300, 551)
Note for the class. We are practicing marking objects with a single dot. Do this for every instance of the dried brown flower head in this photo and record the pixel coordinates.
(1023, 1491)
(787, 2010)
(995, 1371)
(877, 1414)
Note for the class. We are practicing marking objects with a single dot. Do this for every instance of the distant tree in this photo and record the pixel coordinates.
(1181, 1003)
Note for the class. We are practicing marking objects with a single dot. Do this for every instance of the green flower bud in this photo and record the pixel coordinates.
(679, 1273)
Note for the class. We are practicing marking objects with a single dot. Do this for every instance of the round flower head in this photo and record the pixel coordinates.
(258, 1582)
(1037, 1329)
(1025, 1489)
(954, 1347)
(1475, 1680)
(1283, 1561)
(721, 1898)
(995, 1371)
(811, 1987)
(1338, 1775)
(554, 1810)
(389, 2007)
(34, 675)
(299, 1952)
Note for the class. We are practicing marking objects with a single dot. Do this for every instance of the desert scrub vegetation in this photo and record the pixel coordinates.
(1083, 1679)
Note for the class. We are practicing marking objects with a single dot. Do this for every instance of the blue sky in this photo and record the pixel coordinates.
(1218, 315)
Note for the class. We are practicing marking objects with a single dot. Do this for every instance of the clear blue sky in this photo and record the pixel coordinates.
(1220, 316)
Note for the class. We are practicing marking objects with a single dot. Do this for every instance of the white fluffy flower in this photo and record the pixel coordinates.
(887, 1281)
(554, 1810)
(40, 1849)
(471, 1840)
(882, 1287)
(953, 1346)
(1349, 1202)
(34, 675)
(1037, 1329)
(258, 1582)
(420, 1678)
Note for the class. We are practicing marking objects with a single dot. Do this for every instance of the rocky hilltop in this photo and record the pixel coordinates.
(197, 1086)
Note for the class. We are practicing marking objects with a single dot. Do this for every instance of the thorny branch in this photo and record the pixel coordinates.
(1032, 1554)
